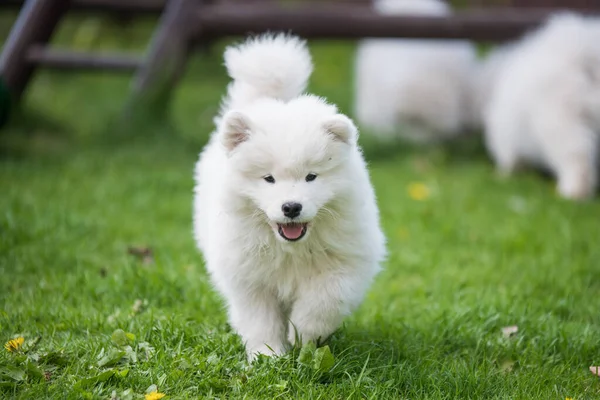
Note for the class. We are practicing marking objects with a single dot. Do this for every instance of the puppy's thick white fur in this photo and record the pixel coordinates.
(543, 103)
(276, 288)
(419, 89)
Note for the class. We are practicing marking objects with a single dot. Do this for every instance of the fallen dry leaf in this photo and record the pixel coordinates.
(508, 331)
(143, 253)
(595, 370)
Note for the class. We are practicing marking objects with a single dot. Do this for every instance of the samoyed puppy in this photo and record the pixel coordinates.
(284, 211)
(544, 104)
(418, 89)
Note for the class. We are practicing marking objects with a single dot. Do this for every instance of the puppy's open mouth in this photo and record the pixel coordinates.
(292, 231)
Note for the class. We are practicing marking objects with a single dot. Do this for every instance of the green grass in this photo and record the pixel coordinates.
(79, 185)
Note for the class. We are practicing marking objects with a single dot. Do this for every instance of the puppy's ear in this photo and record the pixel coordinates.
(235, 129)
(341, 128)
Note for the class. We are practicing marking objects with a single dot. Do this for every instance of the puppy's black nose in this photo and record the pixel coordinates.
(291, 210)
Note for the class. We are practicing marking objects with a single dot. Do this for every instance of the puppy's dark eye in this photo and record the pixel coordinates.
(269, 178)
(311, 177)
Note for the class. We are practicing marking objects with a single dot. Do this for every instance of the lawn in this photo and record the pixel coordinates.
(82, 187)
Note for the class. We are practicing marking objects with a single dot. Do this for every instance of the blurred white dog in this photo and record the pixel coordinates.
(542, 104)
(284, 210)
(419, 89)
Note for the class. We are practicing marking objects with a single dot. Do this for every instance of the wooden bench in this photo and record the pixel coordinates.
(186, 22)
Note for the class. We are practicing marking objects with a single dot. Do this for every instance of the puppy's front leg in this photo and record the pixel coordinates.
(257, 318)
(322, 303)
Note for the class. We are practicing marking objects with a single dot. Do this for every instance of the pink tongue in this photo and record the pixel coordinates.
(292, 231)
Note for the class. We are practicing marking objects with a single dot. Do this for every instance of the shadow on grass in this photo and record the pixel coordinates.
(457, 151)
(30, 133)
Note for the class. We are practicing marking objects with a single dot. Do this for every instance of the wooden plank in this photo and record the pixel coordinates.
(137, 6)
(34, 25)
(571, 4)
(69, 60)
(111, 6)
(168, 50)
(350, 23)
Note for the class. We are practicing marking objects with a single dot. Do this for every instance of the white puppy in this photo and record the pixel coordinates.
(543, 108)
(284, 210)
(419, 89)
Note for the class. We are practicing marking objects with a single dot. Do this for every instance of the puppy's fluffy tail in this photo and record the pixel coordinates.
(272, 66)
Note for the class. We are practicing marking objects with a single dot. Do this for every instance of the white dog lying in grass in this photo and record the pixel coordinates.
(542, 104)
(284, 210)
(418, 89)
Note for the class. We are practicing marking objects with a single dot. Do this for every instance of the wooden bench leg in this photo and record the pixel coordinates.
(167, 54)
(35, 25)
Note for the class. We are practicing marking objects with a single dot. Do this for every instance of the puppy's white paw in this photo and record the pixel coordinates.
(577, 183)
(252, 352)
(310, 332)
(506, 166)
(575, 190)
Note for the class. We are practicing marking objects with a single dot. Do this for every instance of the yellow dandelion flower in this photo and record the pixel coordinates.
(568, 398)
(14, 344)
(155, 395)
(418, 191)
